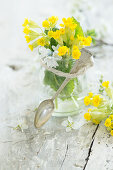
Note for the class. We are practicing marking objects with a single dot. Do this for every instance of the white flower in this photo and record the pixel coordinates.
(69, 124)
(55, 48)
(51, 61)
(50, 58)
(44, 52)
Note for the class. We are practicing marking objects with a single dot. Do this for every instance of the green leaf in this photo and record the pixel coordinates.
(91, 33)
(93, 41)
(78, 29)
(53, 42)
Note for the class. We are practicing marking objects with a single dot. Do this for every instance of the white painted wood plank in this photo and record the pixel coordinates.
(101, 156)
(43, 148)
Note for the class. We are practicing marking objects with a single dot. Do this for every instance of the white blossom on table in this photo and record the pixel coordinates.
(69, 124)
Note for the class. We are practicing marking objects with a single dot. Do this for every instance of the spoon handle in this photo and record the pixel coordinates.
(61, 88)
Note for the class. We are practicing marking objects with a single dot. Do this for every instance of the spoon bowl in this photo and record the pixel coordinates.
(43, 112)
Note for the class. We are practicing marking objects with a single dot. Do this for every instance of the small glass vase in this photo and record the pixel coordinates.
(70, 101)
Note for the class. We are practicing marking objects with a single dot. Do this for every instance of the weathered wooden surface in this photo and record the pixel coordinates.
(49, 148)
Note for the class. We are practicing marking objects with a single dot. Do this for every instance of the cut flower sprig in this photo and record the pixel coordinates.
(69, 37)
(101, 107)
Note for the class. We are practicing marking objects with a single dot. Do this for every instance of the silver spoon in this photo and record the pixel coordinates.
(46, 107)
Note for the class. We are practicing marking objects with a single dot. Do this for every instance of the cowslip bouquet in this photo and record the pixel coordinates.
(59, 46)
(101, 106)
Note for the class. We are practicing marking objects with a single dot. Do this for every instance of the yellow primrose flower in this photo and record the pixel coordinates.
(50, 33)
(96, 121)
(27, 38)
(80, 38)
(96, 100)
(108, 122)
(111, 117)
(87, 100)
(87, 116)
(112, 132)
(45, 24)
(105, 84)
(56, 35)
(41, 41)
(87, 41)
(90, 94)
(64, 20)
(26, 30)
(31, 47)
(53, 19)
(76, 54)
(63, 50)
(69, 23)
(25, 22)
(73, 26)
(62, 30)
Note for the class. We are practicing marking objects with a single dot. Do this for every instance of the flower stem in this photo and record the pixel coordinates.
(56, 103)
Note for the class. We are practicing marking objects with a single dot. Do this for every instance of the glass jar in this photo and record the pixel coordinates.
(70, 100)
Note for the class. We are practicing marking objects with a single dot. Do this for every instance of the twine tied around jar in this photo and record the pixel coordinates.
(82, 64)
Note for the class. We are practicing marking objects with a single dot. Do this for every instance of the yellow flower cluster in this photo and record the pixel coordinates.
(76, 52)
(32, 34)
(85, 41)
(41, 41)
(55, 35)
(63, 50)
(96, 101)
(109, 123)
(105, 84)
(45, 24)
(51, 22)
(70, 45)
(87, 100)
(103, 108)
(92, 100)
(68, 23)
(88, 116)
